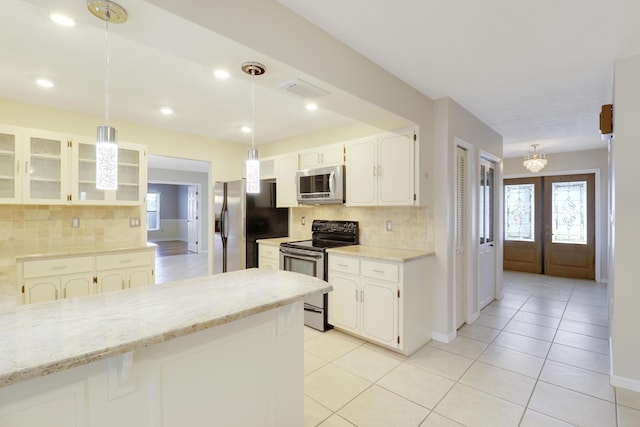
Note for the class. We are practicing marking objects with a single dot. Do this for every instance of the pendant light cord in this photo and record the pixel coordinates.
(106, 73)
(253, 108)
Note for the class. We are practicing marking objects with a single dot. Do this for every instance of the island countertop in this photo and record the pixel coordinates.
(40, 339)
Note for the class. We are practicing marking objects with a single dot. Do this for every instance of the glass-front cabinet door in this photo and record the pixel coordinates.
(10, 166)
(45, 172)
(132, 171)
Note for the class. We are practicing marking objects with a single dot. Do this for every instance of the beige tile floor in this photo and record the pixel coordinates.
(538, 357)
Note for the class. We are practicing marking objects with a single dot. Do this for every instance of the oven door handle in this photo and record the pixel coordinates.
(301, 254)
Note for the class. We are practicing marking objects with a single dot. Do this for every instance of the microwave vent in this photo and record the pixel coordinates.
(303, 89)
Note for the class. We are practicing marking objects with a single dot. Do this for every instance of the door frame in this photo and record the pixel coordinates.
(498, 225)
(598, 228)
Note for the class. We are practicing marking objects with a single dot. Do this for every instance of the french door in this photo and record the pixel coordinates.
(550, 225)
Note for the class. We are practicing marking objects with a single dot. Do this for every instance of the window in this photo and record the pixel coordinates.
(153, 211)
(569, 212)
(486, 201)
(519, 212)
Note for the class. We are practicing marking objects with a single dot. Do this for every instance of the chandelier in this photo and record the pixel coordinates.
(535, 160)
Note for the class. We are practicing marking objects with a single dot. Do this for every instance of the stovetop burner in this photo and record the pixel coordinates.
(328, 234)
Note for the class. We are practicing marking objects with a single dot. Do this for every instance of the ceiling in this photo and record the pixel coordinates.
(535, 71)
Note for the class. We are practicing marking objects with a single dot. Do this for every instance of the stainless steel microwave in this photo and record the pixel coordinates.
(321, 185)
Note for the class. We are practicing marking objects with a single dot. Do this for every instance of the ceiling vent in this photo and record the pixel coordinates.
(303, 89)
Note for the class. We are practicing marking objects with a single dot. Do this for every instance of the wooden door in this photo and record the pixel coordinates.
(523, 231)
(569, 232)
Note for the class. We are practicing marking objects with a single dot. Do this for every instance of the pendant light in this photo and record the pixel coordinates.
(106, 143)
(253, 163)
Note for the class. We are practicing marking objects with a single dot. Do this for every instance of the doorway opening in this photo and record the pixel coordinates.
(550, 225)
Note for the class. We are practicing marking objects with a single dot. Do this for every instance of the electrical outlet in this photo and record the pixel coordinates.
(134, 222)
(389, 225)
(75, 222)
(303, 221)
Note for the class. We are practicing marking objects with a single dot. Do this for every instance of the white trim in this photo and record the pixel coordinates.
(437, 336)
(624, 382)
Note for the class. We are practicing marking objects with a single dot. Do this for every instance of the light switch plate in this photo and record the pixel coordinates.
(75, 222)
(389, 225)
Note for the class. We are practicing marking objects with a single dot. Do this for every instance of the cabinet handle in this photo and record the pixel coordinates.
(125, 261)
(59, 267)
(56, 294)
(378, 271)
(374, 170)
(26, 167)
(65, 293)
(342, 265)
(356, 295)
(379, 170)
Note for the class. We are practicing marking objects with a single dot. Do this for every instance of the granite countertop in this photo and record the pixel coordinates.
(85, 251)
(39, 339)
(386, 254)
(277, 240)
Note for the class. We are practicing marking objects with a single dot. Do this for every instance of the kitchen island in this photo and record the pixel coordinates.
(217, 350)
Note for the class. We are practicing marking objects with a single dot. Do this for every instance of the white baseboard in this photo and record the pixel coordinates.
(444, 338)
(623, 382)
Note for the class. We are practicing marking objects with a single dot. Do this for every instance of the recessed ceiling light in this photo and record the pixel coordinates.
(311, 106)
(167, 111)
(44, 83)
(221, 74)
(63, 20)
(245, 129)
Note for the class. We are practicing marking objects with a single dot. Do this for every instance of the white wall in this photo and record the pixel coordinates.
(452, 122)
(588, 161)
(625, 289)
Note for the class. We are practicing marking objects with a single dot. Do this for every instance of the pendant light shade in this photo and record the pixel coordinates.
(253, 163)
(106, 142)
(106, 159)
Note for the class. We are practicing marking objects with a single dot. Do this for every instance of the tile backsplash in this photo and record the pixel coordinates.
(42, 229)
(412, 226)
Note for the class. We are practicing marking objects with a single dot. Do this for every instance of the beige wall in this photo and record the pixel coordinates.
(412, 226)
(578, 161)
(624, 287)
(452, 122)
(227, 158)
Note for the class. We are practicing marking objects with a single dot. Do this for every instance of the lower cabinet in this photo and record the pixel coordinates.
(384, 302)
(268, 256)
(54, 278)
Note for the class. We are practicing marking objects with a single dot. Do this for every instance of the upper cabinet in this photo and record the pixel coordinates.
(380, 169)
(39, 167)
(132, 173)
(33, 167)
(286, 193)
(328, 155)
(10, 161)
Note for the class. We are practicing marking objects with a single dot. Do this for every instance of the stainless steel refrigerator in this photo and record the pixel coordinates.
(241, 219)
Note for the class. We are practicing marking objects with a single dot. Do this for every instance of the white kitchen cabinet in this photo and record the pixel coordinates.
(385, 302)
(380, 169)
(132, 175)
(268, 256)
(327, 155)
(286, 168)
(34, 167)
(51, 278)
(10, 162)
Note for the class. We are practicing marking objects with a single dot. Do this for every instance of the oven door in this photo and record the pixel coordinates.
(302, 261)
(311, 263)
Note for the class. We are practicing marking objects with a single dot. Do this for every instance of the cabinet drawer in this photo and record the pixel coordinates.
(57, 267)
(125, 260)
(344, 264)
(268, 263)
(380, 270)
(268, 251)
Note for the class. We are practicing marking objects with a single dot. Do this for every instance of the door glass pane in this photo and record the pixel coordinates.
(519, 204)
(569, 212)
(7, 166)
(486, 203)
